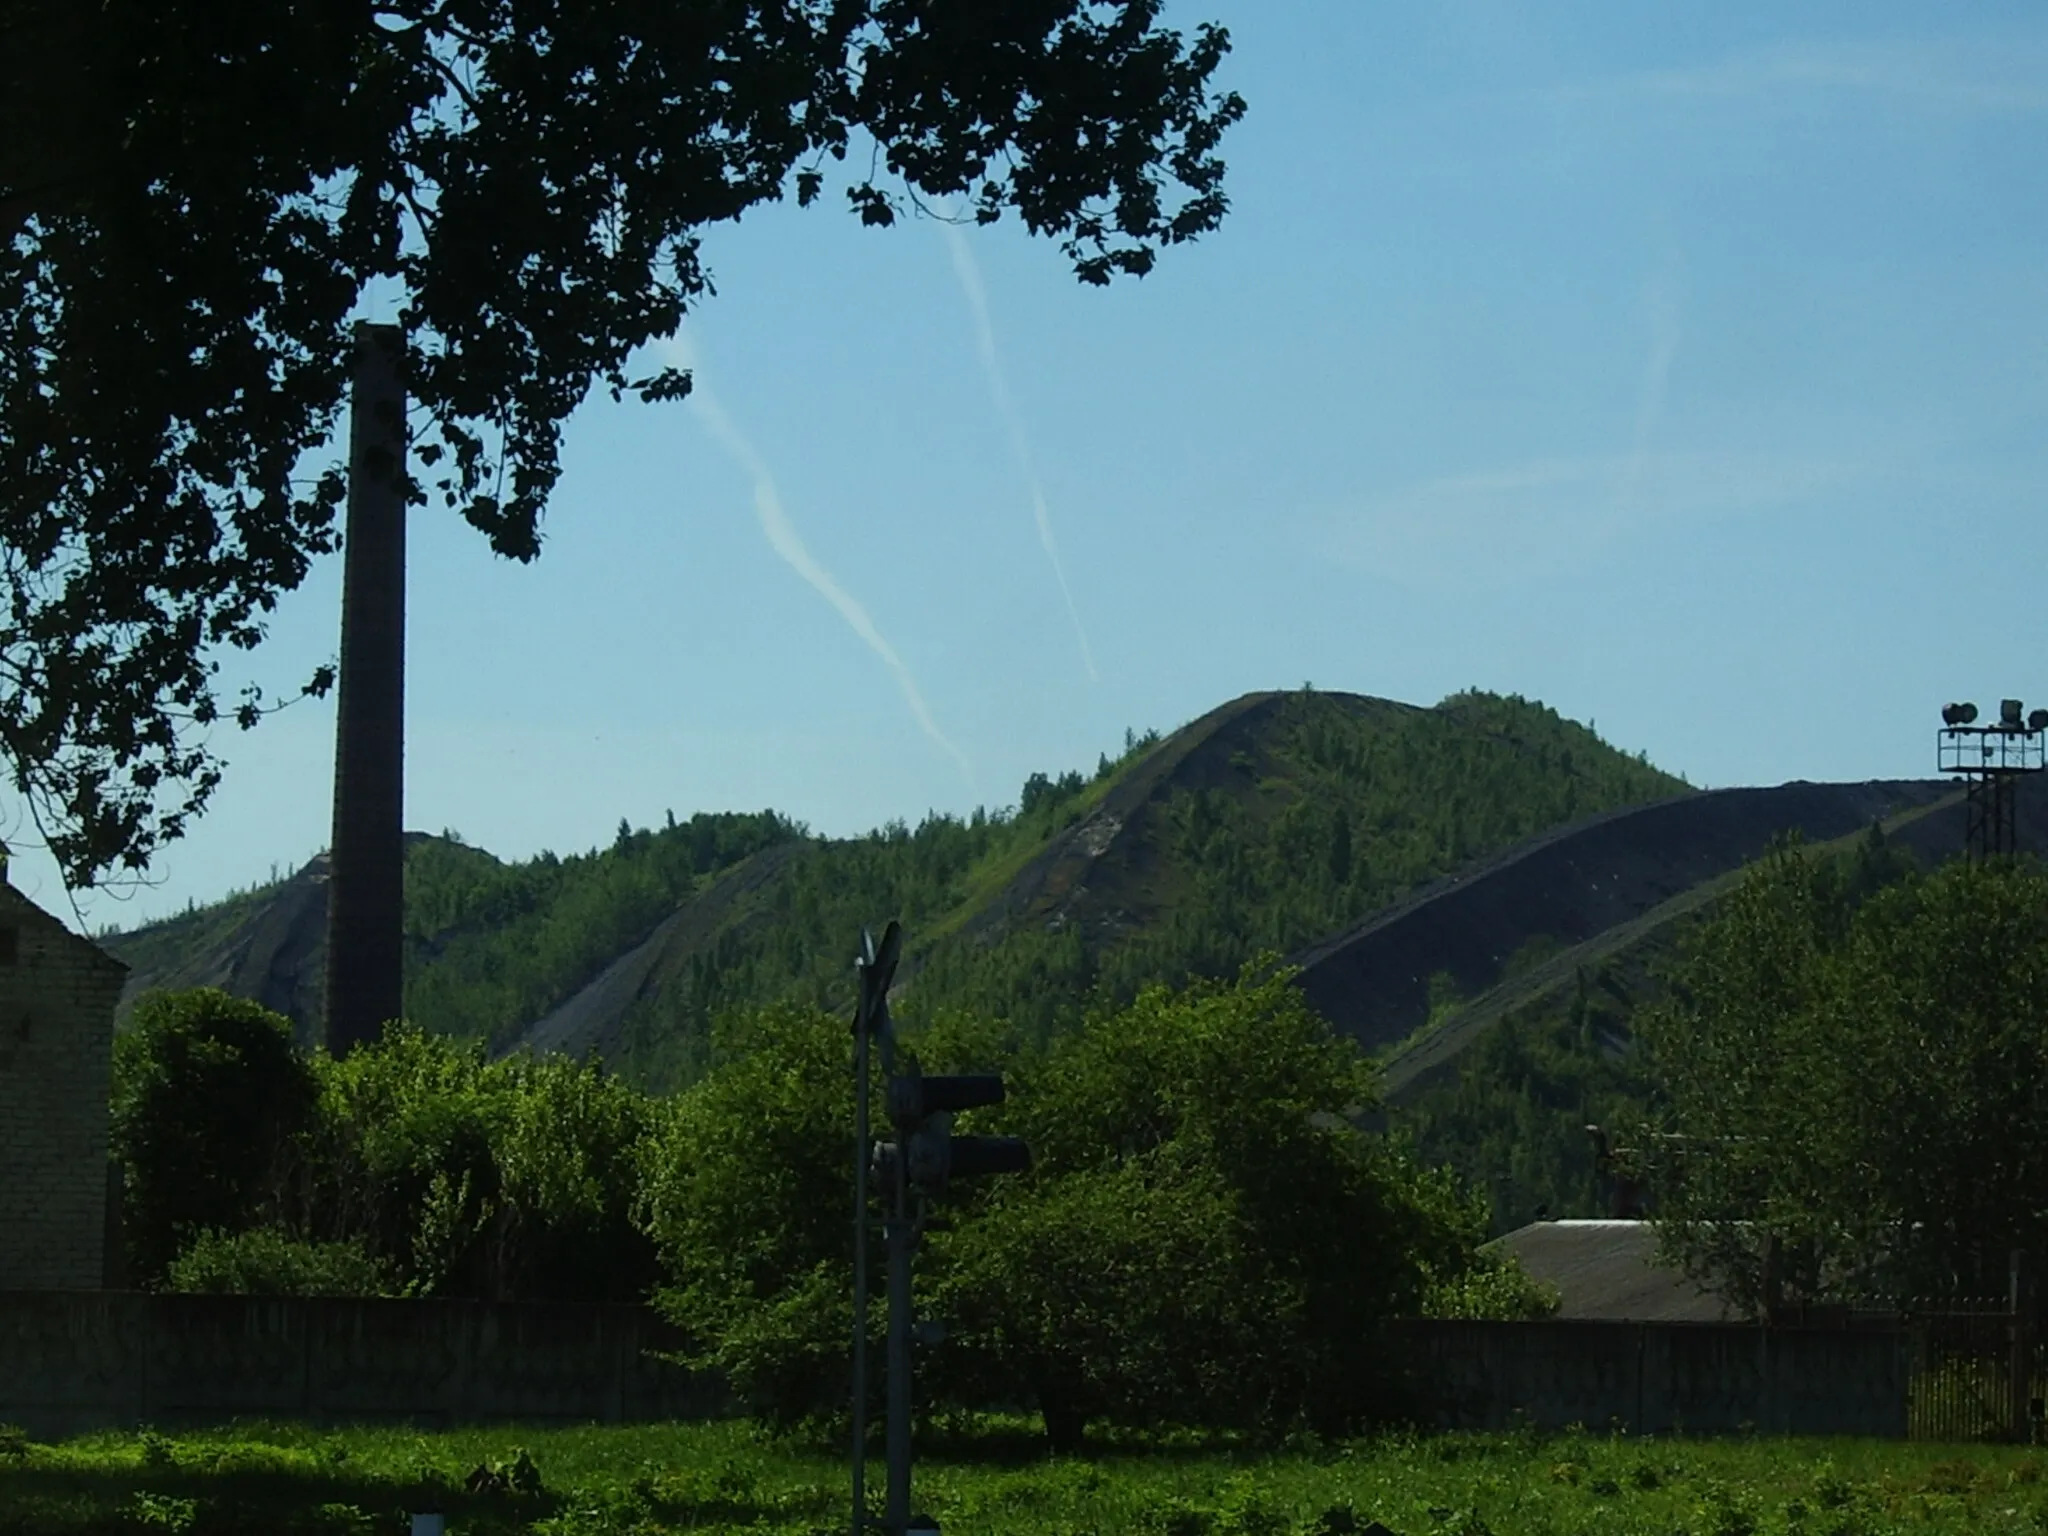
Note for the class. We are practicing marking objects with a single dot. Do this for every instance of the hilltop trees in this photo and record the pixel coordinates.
(1322, 810)
(491, 947)
(1318, 810)
(194, 197)
(1855, 1088)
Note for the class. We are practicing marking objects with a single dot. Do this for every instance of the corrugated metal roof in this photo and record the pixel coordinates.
(1607, 1270)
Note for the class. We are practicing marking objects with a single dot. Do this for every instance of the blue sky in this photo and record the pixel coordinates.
(1687, 370)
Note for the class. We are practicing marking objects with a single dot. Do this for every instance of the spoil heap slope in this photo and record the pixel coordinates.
(1567, 888)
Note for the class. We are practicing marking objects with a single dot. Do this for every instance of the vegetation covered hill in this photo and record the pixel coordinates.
(1502, 1083)
(1589, 883)
(1263, 826)
(489, 944)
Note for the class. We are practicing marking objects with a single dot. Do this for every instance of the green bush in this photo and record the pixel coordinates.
(209, 1098)
(1845, 1078)
(1495, 1288)
(267, 1262)
(1203, 1241)
(414, 1165)
(509, 1180)
(745, 1188)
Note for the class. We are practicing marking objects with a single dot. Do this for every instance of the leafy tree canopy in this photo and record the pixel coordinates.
(412, 1165)
(1203, 1239)
(194, 196)
(1852, 1086)
(207, 1097)
(1512, 1116)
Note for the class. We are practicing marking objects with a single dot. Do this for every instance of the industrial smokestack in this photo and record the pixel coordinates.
(366, 886)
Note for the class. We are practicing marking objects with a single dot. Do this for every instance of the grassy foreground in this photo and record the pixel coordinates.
(283, 1480)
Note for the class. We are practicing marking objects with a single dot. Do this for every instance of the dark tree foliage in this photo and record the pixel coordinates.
(194, 196)
(1512, 1117)
(209, 1097)
(1203, 1239)
(491, 947)
(411, 1166)
(1852, 1089)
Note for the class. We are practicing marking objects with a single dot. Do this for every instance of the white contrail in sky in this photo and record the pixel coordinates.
(969, 273)
(1663, 347)
(1666, 302)
(788, 543)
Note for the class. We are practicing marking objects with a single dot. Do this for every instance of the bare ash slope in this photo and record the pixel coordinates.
(1929, 826)
(593, 1017)
(269, 946)
(1566, 888)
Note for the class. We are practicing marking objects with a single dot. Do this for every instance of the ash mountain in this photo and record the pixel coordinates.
(1394, 851)
(1506, 1077)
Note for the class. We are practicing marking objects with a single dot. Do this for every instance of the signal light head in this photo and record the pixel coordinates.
(1958, 714)
(913, 1097)
(2009, 715)
(937, 1157)
(923, 1109)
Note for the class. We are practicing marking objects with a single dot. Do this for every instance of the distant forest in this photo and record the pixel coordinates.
(1288, 821)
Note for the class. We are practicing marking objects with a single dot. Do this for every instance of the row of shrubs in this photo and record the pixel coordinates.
(1204, 1237)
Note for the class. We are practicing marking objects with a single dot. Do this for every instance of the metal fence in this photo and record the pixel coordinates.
(1977, 1373)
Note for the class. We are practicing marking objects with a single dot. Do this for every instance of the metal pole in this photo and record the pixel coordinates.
(871, 1019)
(900, 1237)
(2020, 1366)
(901, 1241)
(860, 1245)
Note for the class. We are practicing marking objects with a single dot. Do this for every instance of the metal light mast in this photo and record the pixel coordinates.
(1990, 759)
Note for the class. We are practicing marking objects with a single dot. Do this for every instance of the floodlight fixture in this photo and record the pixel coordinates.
(1991, 758)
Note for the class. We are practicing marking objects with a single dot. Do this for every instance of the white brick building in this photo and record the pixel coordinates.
(57, 996)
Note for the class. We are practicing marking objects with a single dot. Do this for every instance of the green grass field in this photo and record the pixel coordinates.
(282, 1480)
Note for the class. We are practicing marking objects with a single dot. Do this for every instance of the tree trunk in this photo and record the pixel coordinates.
(1065, 1425)
(366, 880)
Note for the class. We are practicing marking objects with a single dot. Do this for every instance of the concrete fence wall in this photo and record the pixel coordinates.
(77, 1360)
(72, 1361)
(1661, 1378)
